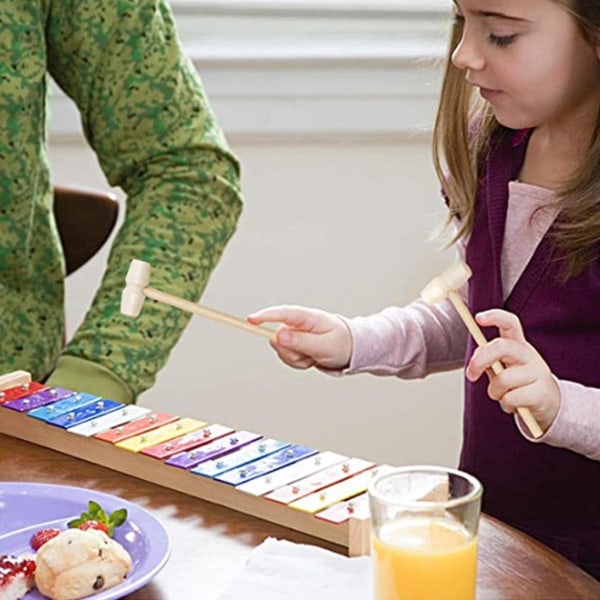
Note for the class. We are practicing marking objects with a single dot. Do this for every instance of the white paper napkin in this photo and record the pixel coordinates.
(280, 569)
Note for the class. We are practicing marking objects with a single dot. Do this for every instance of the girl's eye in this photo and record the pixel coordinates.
(502, 40)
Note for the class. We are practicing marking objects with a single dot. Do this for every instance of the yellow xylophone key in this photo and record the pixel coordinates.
(162, 434)
(357, 508)
(337, 493)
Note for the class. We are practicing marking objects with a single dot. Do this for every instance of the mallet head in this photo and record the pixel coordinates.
(451, 279)
(132, 298)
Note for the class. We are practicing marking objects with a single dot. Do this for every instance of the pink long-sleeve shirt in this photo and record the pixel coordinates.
(418, 339)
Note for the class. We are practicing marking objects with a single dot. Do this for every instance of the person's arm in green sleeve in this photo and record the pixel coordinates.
(146, 116)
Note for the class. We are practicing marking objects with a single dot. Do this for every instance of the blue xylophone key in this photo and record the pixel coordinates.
(51, 411)
(224, 445)
(86, 413)
(254, 451)
(47, 396)
(266, 465)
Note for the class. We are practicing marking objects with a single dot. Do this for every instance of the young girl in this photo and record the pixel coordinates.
(518, 129)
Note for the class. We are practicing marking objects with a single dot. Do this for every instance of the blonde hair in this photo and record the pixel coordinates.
(462, 131)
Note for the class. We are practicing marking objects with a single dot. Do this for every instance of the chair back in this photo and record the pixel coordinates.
(85, 219)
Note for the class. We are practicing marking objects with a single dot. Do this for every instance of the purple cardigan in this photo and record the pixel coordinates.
(551, 493)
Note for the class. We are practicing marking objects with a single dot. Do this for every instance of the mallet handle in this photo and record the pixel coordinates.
(209, 313)
(497, 367)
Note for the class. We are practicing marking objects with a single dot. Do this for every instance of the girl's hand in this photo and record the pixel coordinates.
(526, 380)
(308, 337)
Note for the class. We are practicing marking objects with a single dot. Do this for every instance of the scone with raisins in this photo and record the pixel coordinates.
(79, 563)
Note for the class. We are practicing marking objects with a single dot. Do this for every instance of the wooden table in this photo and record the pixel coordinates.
(210, 543)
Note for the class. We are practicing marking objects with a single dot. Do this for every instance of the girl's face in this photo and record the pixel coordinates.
(530, 61)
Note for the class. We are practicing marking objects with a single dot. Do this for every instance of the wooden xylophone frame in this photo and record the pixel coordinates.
(353, 534)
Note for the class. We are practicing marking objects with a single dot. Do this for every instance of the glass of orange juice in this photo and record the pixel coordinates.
(424, 523)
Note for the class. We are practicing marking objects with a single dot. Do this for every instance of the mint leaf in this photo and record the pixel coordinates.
(118, 517)
(96, 513)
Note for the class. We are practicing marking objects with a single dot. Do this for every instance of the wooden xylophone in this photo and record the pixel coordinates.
(320, 493)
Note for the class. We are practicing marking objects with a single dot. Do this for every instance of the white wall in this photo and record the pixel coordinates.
(340, 202)
(340, 226)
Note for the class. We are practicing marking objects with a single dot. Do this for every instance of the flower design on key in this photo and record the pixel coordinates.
(345, 467)
(206, 433)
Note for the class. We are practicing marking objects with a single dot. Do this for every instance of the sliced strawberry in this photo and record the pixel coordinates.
(94, 525)
(41, 537)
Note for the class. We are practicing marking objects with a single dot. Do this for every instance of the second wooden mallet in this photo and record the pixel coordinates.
(136, 290)
(446, 286)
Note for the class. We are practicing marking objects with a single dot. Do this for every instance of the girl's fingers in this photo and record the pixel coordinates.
(510, 379)
(521, 397)
(294, 359)
(506, 351)
(507, 323)
(300, 342)
(297, 317)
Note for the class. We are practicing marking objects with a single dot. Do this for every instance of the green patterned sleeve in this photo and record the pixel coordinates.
(146, 116)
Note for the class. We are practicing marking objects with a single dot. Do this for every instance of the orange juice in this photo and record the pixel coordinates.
(424, 559)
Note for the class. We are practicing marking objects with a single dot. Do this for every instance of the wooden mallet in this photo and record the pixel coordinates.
(446, 286)
(136, 290)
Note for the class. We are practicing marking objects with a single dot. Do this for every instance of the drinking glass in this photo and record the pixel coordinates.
(424, 523)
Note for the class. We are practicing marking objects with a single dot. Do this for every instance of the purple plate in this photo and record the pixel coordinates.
(27, 507)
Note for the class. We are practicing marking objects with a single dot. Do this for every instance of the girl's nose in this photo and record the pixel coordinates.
(467, 55)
